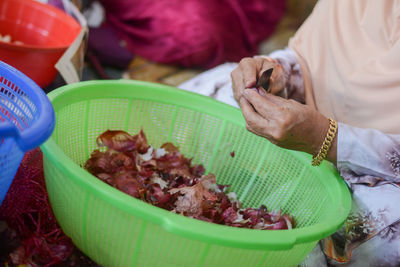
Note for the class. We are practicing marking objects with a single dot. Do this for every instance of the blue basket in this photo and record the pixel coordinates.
(26, 121)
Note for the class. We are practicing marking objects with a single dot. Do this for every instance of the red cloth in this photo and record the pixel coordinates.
(194, 33)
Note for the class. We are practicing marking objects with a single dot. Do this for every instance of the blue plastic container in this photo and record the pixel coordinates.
(26, 121)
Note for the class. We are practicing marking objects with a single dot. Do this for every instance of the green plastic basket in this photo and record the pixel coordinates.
(115, 229)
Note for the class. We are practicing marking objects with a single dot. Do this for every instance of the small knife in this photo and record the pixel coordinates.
(264, 80)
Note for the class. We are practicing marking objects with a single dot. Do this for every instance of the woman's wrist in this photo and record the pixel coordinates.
(315, 133)
(326, 144)
(332, 154)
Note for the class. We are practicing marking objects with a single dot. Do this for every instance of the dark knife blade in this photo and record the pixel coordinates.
(264, 80)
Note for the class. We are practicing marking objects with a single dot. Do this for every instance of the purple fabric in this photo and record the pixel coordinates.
(193, 33)
(108, 48)
(56, 3)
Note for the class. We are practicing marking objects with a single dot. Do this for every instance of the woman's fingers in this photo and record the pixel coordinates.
(245, 75)
(249, 68)
(279, 116)
(248, 111)
(255, 123)
(248, 71)
(237, 84)
(284, 122)
(265, 104)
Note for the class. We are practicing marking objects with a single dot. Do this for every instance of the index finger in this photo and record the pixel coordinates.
(250, 68)
(263, 104)
(254, 121)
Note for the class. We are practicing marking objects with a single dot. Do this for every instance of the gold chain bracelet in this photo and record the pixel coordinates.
(326, 145)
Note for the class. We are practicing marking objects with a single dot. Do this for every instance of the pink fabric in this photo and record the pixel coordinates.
(194, 33)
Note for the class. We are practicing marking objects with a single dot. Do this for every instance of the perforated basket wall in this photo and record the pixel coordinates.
(115, 229)
(26, 120)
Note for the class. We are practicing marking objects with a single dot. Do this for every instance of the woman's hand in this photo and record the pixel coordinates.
(250, 69)
(286, 123)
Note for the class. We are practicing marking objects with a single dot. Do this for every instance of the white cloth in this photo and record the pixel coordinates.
(215, 83)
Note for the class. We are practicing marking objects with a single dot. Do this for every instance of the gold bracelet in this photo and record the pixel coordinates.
(326, 145)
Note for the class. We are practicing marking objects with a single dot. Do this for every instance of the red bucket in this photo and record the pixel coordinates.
(45, 32)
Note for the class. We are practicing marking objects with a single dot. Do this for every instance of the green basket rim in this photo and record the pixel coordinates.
(178, 224)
